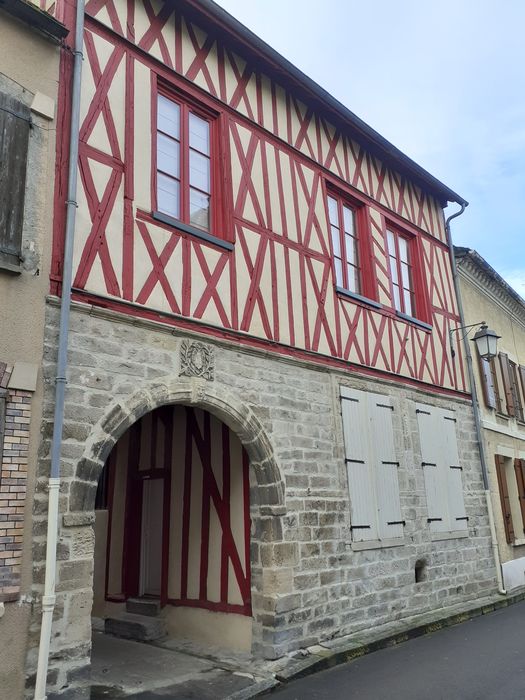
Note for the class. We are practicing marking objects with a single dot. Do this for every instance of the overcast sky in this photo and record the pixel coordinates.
(443, 81)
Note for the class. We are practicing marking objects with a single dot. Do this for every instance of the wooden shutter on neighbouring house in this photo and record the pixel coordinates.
(521, 371)
(519, 468)
(430, 425)
(487, 382)
(453, 471)
(504, 498)
(515, 387)
(507, 383)
(386, 467)
(356, 430)
(14, 139)
(495, 382)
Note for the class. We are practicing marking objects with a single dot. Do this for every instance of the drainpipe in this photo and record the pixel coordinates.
(475, 404)
(49, 597)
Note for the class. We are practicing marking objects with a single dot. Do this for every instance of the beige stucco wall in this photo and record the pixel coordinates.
(28, 64)
(502, 435)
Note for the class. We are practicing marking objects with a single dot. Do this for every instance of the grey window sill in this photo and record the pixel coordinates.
(357, 297)
(10, 268)
(415, 321)
(192, 230)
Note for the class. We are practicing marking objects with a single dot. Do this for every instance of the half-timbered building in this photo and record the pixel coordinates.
(267, 441)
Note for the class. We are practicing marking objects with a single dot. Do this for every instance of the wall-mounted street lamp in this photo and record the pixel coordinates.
(485, 339)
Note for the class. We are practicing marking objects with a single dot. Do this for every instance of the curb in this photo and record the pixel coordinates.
(325, 657)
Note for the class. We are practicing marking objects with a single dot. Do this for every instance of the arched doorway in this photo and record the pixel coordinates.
(172, 530)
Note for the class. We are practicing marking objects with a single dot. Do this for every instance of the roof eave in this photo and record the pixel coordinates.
(386, 150)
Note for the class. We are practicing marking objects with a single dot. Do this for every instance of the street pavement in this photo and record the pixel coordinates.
(482, 659)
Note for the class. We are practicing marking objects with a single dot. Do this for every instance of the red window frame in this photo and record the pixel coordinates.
(361, 261)
(218, 223)
(418, 295)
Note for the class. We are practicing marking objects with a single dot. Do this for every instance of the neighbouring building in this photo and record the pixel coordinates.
(487, 297)
(29, 64)
(266, 437)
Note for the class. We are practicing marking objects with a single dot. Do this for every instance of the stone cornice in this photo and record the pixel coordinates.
(473, 268)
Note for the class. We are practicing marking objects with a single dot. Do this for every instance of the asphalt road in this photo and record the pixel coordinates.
(482, 659)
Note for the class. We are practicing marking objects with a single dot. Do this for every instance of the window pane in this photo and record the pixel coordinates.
(407, 297)
(348, 215)
(168, 155)
(397, 300)
(353, 278)
(351, 252)
(336, 241)
(405, 274)
(393, 270)
(168, 117)
(338, 272)
(332, 211)
(199, 134)
(168, 200)
(403, 249)
(199, 210)
(199, 171)
(391, 243)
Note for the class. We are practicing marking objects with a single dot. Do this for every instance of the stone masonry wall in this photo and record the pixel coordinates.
(308, 583)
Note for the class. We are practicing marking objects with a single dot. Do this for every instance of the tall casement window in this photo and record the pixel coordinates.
(184, 176)
(343, 227)
(442, 470)
(372, 467)
(401, 272)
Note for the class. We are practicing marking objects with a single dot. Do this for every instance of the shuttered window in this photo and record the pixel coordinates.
(489, 383)
(507, 383)
(14, 139)
(519, 469)
(442, 470)
(515, 389)
(372, 466)
(504, 498)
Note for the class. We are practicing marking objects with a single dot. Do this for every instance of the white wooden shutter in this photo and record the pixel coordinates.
(430, 423)
(385, 465)
(356, 428)
(456, 504)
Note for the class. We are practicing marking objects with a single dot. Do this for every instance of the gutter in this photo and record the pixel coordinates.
(49, 597)
(475, 406)
(36, 18)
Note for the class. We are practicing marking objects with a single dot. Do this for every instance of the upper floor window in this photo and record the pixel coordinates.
(401, 272)
(184, 184)
(343, 229)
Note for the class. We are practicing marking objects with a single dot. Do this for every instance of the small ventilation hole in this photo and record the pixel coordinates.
(420, 570)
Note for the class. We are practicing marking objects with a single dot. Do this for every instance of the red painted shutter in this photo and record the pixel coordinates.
(485, 373)
(507, 383)
(504, 498)
(519, 468)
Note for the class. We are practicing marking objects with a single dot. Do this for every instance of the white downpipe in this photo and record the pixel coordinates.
(49, 597)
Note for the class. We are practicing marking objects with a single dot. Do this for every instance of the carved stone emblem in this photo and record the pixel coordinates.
(196, 360)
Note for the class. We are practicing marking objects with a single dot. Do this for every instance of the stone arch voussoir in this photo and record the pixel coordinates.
(215, 398)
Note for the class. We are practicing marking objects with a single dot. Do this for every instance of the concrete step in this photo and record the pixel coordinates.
(143, 606)
(141, 628)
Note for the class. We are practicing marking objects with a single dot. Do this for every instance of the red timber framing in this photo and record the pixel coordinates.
(266, 275)
(208, 509)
